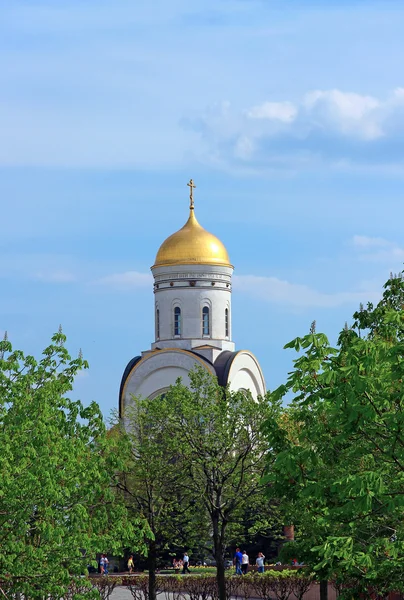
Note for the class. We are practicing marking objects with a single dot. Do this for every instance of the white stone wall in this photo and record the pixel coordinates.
(191, 288)
(157, 370)
(245, 374)
(154, 374)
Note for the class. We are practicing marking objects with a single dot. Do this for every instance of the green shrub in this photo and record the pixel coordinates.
(105, 585)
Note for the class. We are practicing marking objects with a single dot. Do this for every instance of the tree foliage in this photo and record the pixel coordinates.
(340, 447)
(57, 468)
(217, 436)
(154, 485)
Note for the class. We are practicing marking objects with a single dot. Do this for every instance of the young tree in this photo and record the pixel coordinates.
(57, 466)
(340, 447)
(154, 486)
(217, 434)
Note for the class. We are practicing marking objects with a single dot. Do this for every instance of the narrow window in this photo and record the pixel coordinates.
(205, 320)
(157, 324)
(177, 320)
(226, 322)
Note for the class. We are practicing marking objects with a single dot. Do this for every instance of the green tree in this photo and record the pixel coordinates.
(257, 526)
(57, 469)
(154, 485)
(340, 447)
(217, 435)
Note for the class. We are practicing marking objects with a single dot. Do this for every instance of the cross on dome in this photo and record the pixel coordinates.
(191, 186)
(192, 244)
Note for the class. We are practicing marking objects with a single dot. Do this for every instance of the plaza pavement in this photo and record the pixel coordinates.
(121, 593)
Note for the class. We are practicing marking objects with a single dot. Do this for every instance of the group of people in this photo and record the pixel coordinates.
(104, 564)
(241, 562)
(182, 564)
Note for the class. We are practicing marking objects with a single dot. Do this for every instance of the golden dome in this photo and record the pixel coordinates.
(192, 245)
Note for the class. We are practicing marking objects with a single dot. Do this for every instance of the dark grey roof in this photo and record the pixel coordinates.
(125, 375)
(222, 366)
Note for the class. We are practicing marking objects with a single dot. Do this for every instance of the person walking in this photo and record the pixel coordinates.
(104, 562)
(237, 561)
(244, 563)
(260, 562)
(185, 562)
(131, 564)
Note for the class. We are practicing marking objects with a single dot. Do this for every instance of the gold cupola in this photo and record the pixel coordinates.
(192, 244)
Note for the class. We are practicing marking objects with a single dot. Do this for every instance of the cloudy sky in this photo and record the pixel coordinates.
(288, 114)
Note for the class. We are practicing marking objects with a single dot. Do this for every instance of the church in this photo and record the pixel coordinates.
(192, 319)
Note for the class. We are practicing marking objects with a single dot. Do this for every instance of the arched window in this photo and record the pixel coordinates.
(226, 322)
(177, 320)
(205, 321)
(157, 324)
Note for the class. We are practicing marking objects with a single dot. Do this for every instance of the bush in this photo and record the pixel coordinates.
(105, 585)
(301, 583)
(270, 585)
(280, 583)
(139, 586)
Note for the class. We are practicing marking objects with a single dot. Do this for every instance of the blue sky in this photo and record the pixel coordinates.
(289, 115)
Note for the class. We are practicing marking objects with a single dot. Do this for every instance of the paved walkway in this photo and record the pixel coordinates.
(314, 594)
(121, 594)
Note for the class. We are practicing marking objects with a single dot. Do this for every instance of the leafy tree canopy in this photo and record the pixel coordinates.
(216, 435)
(57, 467)
(154, 485)
(340, 446)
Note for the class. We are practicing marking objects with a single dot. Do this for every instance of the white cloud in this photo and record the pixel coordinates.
(84, 374)
(277, 111)
(271, 289)
(295, 295)
(349, 113)
(379, 250)
(244, 147)
(58, 276)
(46, 268)
(128, 279)
(341, 128)
(363, 241)
(278, 291)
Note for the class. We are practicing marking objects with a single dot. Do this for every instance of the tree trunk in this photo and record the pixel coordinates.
(152, 562)
(220, 578)
(323, 590)
(219, 557)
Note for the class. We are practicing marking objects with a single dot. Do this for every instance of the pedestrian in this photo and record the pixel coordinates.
(185, 563)
(237, 561)
(104, 562)
(131, 564)
(244, 562)
(260, 562)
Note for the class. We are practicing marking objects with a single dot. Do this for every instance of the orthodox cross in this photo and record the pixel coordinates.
(191, 186)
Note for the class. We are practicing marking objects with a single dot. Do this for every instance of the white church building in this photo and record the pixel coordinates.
(192, 319)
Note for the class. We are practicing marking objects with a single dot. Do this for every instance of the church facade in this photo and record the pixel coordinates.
(192, 319)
